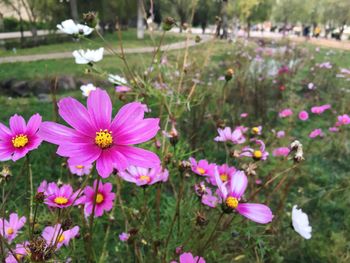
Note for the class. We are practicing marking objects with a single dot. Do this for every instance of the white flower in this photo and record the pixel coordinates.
(86, 89)
(88, 56)
(117, 79)
(71, 28)
(300, 223)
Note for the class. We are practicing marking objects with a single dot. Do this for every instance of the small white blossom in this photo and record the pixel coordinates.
(86, 89)
(300, 223)
(71, 28)
(88, 56)
(116, 79)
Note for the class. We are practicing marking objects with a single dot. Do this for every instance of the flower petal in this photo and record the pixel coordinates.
(76, 115)
(57, 134)
(258, 213)
(33, 124)
(128, 116)
(17, 124)
(221, 186)
(238, 184)
(100, 108)
(5, 132)
(139, 157)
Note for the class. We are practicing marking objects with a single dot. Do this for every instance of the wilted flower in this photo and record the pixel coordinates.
(71, 28)
(300, 223)
(297, 147)
(168, 23)
(104, 199)
(285, 113)
(56, 237)
(9, 229)
(21, 138)
(226, 134)
(303, 115)
(96, 137)
(86, 89)
(85, 57)
(229, 74)
(144, 176)
(260, 154)
(231, 193)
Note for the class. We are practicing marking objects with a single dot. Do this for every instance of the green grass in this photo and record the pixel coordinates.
(128, 37)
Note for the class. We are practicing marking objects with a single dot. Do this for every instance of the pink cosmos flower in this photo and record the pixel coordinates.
(9, 229)
(122, 89)
(81, 169)
(54, 235)
(104, 199)
(187, 257)
(124, 237)
(206, 195)
(144, 176)
(343, 120)
(226, 172)
(333, 129)
(320, 109)
(316, 133)
(60, 197)
(260, 154)
(283, 70)
(326, 65)
(257, 130)
(19, 252)
(96, 137)
(311, 86)
(281, 151)
(226, 134)
(303, 115)
(202, 167)
(244, 115)
(21, 138)
(242, 128)
(280, 134)
(231, 193)
(285, 113)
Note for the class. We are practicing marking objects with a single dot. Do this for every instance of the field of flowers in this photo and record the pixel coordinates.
(224, 152)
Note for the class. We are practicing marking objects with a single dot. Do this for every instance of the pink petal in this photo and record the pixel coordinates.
(5, 132)
(33, 124)
(19, 153)
(100, 108)
(142, 132)
(57, 134)
(76, 115)
(220, 184)
(128, 116)
(17, 124)
(80, 153)
(104, 164)
(139, 157)
(238, 184)
(258, 213)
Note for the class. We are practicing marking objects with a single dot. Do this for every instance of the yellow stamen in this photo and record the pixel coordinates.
(20, 141)
(104, 139)
(224, 177)
(61, 200)
(255, 130)
(200, 170)
(99, 198)
(10, 231)
(231, 202)
(145, 178)
(257, 154)
(79, 166)
(19, 256)
(61, 238)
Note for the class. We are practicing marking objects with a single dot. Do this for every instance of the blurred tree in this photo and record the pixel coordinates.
(74, 9)
(205, 13)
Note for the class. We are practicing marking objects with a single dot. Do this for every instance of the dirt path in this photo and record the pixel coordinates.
(61, 55)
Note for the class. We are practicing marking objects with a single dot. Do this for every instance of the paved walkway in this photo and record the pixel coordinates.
(61, 55)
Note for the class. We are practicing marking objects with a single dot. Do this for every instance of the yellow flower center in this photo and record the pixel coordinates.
(257, 154)
(255, 130)
(61, 200)
(104, 139)
(10, 231)
(200, 170)
(99, 198)
(20, 141)
(231, 202)
(79, 166)
(224, 177)
(19, 256)
(145, 178)
(61, 238)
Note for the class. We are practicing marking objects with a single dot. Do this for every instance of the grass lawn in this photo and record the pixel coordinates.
(129, 41)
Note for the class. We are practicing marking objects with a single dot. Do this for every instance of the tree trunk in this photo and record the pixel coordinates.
(224, 19)
(74, 9)
(140, 24)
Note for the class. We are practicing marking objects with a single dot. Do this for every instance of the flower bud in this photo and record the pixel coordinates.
(168, 23)
(90, 19)
(229, 74)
